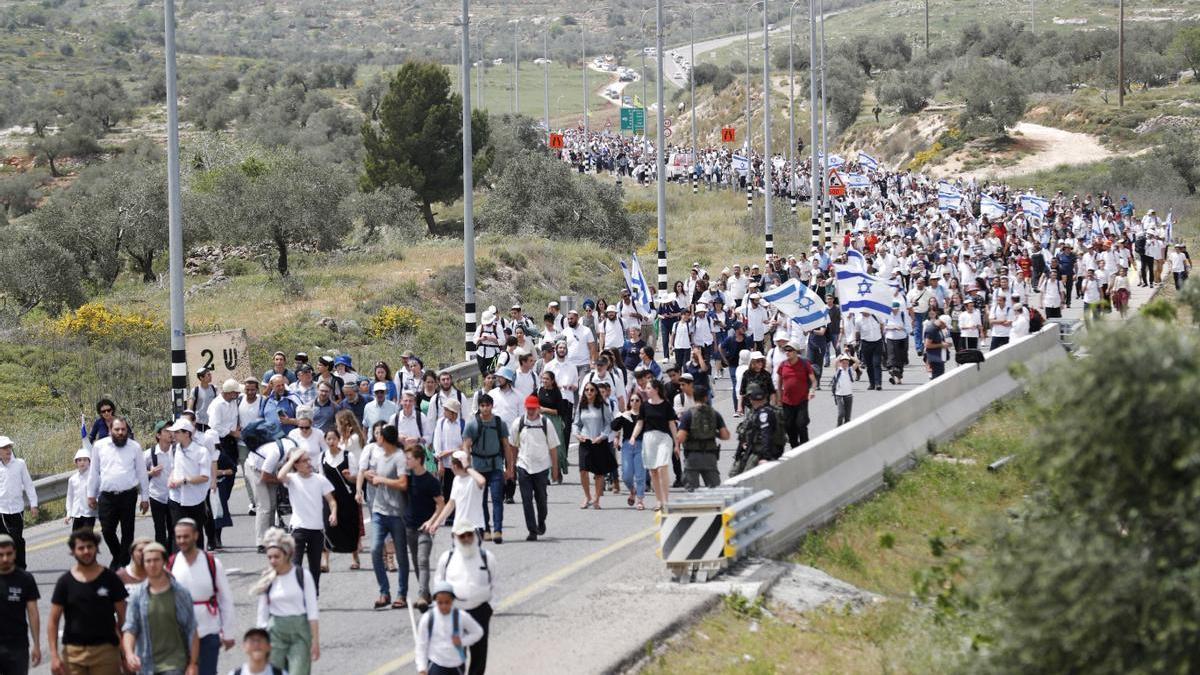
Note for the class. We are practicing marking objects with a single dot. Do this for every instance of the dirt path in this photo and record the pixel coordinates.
(1050, 148)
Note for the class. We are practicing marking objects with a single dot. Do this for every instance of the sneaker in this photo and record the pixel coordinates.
(497, 538)
(383, 602)
(487, 535)
(510, 500)
(251, 512)
(542, 529)
(532, 536)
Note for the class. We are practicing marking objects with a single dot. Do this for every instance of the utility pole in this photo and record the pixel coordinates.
(174, 220)
(792, 104)
(814, 173)
(479, 76)
(926, 28)
(692, 85)
(768, 203)
(1121, 56)
(659, 160)
(749, 128)
(516, 68)
(468, 155)
(586, 121)
(546, 79)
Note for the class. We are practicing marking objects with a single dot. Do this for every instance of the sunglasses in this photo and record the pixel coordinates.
(303, 427)
(106, 410)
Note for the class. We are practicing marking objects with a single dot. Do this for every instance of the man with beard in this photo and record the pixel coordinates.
(19, 619)
(118, 485)
(91, 601)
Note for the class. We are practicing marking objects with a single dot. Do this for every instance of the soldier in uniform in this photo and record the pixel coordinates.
(759, 439)
(699, 430)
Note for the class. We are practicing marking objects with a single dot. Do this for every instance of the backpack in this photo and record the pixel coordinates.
(702, 432)
(262, 431)
(299, 572)
(242, 670)
(454, 631)
(482, 556)
(478, 436)
(544, 428)
(211, 604)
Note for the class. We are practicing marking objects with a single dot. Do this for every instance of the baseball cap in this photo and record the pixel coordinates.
(230, 386)
(462, 457)
(379, 386)
(464, 525)
(443, 587)
(687, 377)
(160, 425)
(532, 402)
(183, 425)
(756, 393)
(453, 406)
(201, 371)
(82, 453)
(305, 368)
(5, 441)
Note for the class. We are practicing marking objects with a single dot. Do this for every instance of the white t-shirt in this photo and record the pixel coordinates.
(579, 341)
(532, 443)
(468, 500)
(314, 445)
(307, 495)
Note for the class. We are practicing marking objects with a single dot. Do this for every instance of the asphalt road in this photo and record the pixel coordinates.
(588, 582)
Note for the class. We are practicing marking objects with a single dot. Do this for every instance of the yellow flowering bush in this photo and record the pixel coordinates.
(391, 321)
(922, 158)
(97, 323)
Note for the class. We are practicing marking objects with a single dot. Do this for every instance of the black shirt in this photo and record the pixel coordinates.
(423, 492)
(657, 416)
(17, 588)
(89, 609)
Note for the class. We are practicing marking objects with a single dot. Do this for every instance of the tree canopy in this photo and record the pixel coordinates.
(417, 142)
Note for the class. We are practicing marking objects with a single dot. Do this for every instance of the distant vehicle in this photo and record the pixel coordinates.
(679, 58)
(627, 100)
(497, 62)
(628, 76)
(611, 93)
(770, 27)
(649, 51)
(541, 61)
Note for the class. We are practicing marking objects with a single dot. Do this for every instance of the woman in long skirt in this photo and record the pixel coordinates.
(341, 467)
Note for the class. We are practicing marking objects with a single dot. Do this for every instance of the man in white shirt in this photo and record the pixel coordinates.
(304, 389)
(224, 419)
(378, 408)
(869, 335)
(248, 411)
(581, 344)
(117, 485)
(565, 374)
(413, 427)
(612, 329)
(159, 462)
(756, 320)
(471, 572)
(203, 575)
(526, 378)
(507, 401)
(191, 476)
(15, 485)
(537, 455)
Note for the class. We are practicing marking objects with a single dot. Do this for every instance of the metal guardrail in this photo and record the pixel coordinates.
(52, 488)
(1070, 332)
(702, 533)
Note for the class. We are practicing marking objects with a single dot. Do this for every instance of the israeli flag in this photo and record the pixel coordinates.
(991, 207)
(948, 188)
(948, 201)
(867, 162)
(1034, 206)
(859, 291)
(639, 291)
(741, 164)
(799, 303)
(856, 260)
(857, 181)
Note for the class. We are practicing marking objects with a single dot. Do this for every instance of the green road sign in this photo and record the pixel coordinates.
(633, 119)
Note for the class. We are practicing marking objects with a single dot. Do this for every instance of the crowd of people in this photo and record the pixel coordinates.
(620, 392)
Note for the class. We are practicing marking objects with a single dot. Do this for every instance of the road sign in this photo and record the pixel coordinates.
(728, 134)
(666, 132)
(837, 187)
(222, 352)
(633, 119)
(556, 141)
(666, 121)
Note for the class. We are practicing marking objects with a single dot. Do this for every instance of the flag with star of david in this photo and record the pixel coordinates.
(799, 304)
(859, 291)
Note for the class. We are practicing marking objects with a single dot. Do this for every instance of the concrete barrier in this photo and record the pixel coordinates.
(812, 482)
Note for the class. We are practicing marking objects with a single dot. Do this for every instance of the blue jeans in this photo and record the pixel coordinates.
(633, 469)
(210, 649)
(393, 525)
(918, 326)
(495, 514)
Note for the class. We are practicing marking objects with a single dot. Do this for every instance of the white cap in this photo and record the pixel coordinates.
(755, 355)
(453, 406)
(82, 453)
(379, 386)
(463, 525)
(182, 425)
(461, 456)
(5, 441)
(230, 386)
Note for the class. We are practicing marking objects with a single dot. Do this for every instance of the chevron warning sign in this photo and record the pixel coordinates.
(691, 538)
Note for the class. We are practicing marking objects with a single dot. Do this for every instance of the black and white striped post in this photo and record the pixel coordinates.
(660, 149)
(468, 154)
(174, 221)
(749, 188)
(828, 221)
(662, 266)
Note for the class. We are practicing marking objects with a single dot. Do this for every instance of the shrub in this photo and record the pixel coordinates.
(97, 323)
(393, 321)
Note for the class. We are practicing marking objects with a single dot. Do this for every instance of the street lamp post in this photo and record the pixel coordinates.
(792, 104)
(768, 204)
(468, 189)
(516, 68)
(825, 198)
(546, 78)
(749, 128)
(645, 133)
(692, 87)
(812, 95)
(174, 220)
(658, 153)
(586, 121)
(479, 75)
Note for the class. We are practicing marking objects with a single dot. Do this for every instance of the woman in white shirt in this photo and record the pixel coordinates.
(969, 324)
(287, 606)
(312, 440)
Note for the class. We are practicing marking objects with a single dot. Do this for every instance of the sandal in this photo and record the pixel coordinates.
(596, 505)
(355, 566)
(400, 603)
(629, 500)
(640, 506)
(324, 569)
(383, 601)
(586, 503)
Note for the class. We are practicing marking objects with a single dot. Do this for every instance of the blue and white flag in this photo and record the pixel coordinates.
(861, 292)
(1170, 225)
(867, 162)
(740, 164)
(991, 207)
(856, 260)
(835, 161)
(948, 188)
(948, 201)
(857, 181)
(1034, 206)
(799, 303)
(639, 290)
